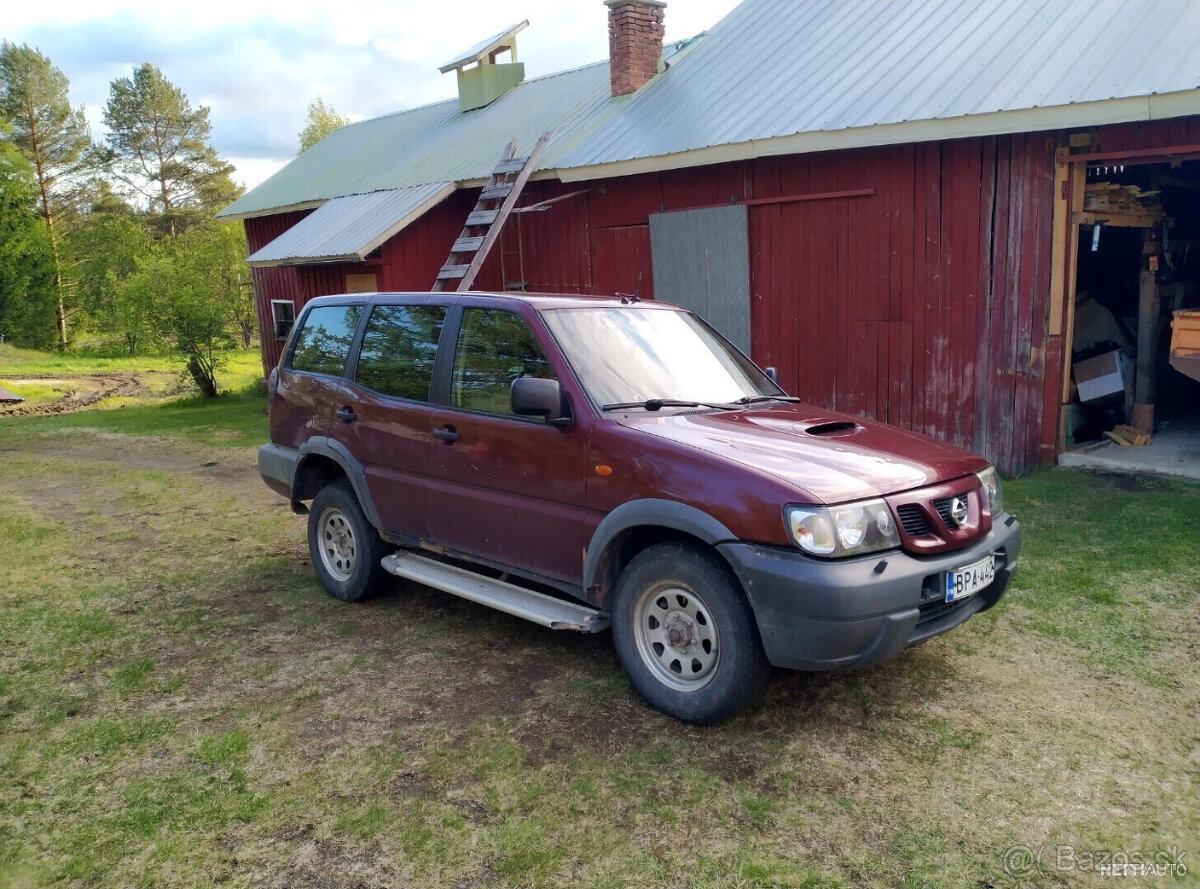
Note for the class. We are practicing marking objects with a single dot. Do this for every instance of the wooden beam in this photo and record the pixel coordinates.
(1058, 241)
(1147, 337)
(1116, 220)
(1078, 177)
(549, 202)
(1141, 155)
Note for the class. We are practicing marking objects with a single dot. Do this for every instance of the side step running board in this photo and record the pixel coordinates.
(548, 611)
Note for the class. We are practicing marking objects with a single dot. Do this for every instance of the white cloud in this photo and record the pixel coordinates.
(257, 64)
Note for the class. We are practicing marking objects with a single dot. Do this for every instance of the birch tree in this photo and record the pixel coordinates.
(322, 120)
(54, 138)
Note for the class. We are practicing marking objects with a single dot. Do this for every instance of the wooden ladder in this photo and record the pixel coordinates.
(484, 223)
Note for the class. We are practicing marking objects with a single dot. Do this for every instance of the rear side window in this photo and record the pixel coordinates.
(323, 343)
(399, 349)
(494, 348)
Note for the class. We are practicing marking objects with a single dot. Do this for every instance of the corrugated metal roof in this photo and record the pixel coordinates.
(434, 143)
(350, 227)
(789, 76)
(778, 68)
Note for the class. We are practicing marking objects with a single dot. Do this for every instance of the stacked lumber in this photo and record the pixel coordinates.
(1127, 435)
(1108, 197)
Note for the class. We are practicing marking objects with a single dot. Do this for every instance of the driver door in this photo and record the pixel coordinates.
(507, 489)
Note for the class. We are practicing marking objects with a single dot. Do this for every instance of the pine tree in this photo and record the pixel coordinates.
(160, 149)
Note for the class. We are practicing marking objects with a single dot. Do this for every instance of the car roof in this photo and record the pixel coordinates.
(538, 301)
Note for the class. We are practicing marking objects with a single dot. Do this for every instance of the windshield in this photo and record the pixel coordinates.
(637, 354)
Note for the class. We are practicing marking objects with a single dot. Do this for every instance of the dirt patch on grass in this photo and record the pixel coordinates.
(79, 392)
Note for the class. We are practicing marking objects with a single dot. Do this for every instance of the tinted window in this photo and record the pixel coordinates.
(324, 341)
(399, 349)
(494, 348)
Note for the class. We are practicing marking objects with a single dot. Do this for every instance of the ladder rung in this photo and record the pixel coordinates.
(512, 165)
(482, 217)
(467, 245)
(491, 192)
(450, 272)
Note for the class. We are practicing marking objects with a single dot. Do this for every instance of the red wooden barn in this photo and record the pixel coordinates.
(894, 204)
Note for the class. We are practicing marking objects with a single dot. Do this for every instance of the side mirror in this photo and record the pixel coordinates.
(535, 397)
(772, 375)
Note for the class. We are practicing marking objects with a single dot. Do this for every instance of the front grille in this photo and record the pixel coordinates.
(913, 519)
(934, 611)
(943, 509)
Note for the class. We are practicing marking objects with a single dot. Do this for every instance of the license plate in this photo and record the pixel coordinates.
(964, 582)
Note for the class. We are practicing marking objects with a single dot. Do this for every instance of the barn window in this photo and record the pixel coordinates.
(283, 316)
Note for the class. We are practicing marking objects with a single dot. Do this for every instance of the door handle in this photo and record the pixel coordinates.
(346, 415)
(446, 433)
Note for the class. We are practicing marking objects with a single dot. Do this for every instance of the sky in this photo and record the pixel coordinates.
(257, 64)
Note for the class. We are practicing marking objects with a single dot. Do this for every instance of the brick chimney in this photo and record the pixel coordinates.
(635, 40)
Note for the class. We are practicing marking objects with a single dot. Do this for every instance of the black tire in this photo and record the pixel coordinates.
(345, 548)
(685, 635)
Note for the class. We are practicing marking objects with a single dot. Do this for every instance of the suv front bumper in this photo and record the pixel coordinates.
(821, 615)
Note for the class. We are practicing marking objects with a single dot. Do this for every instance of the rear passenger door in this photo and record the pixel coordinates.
(507, 489)
(311, 373)
(384, 415)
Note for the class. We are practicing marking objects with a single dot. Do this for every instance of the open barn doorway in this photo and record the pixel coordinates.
(1133, 404)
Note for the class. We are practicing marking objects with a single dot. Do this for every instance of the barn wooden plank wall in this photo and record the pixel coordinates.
(907, 283)
(921, 304)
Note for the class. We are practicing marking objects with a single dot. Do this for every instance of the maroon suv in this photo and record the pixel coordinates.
(580, 462)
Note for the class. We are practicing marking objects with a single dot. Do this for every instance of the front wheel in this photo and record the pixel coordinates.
(345, 548)
(685, 635)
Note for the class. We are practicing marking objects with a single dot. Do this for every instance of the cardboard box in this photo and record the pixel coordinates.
(1101, 377)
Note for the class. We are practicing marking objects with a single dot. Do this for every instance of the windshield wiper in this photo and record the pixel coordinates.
(655, 404)
(758, 399)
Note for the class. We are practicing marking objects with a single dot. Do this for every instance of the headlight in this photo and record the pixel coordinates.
(848, 530)
(990, 479)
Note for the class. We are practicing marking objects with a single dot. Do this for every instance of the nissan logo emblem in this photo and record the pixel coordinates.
(958, 511)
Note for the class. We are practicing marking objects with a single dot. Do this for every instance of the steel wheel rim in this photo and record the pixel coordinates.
(336, 544)
(676, 636)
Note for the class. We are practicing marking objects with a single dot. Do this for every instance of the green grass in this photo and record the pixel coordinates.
(237, 418)
(180, 704)
(1116, 564)
(240, 368)
(163, 376)
(230, 420)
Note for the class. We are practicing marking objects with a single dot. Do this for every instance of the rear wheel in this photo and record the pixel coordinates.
(346, 550)
(685, 635)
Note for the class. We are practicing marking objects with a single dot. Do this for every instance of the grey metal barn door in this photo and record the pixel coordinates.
(701, 260)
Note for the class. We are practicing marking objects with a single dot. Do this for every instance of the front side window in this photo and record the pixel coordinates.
(323, 343)
(399, 349)
(494, 348)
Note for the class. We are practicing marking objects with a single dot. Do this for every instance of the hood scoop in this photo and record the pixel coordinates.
(832, 428)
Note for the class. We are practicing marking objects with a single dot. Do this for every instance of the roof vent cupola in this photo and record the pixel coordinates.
(481, 78)
(635, 42)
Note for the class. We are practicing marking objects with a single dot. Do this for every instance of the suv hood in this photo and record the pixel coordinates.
(829, 457)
